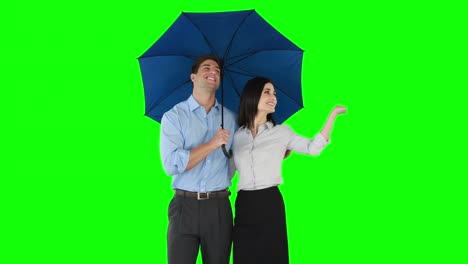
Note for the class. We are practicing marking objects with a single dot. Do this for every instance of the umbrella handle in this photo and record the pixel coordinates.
(228, 154)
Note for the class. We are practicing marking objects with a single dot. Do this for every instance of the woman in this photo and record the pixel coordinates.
(259, 147)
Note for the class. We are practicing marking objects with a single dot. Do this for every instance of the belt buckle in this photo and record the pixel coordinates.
(203, 196)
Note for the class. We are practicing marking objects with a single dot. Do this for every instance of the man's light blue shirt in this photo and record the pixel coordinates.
(186, 126)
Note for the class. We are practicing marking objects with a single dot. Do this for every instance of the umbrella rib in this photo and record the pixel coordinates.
(233, 84)
(242, 73)
(235, 33)
(154, 104)
(206, 40)
(247, 55)
(292, 99)
(247, 73)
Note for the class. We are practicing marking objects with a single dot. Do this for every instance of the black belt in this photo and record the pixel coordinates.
(203, 195)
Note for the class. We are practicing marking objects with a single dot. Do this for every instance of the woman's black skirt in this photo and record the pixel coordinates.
(260, 228)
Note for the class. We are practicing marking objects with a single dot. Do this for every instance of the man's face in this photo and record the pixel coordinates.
(208, 75)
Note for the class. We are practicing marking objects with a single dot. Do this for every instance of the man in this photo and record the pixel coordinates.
(200, 213)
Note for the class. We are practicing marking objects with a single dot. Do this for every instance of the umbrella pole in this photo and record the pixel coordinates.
(228, 154)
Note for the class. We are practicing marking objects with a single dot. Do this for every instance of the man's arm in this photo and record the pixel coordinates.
(199, 153)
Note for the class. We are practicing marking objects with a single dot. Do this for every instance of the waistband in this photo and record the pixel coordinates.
(203, 195)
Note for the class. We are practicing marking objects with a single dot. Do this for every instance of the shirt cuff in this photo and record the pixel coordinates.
(321, 140)
(183, 157)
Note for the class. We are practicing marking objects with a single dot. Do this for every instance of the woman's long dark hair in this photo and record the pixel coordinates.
(250, 97)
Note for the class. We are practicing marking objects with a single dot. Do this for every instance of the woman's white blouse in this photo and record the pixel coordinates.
(258, 160)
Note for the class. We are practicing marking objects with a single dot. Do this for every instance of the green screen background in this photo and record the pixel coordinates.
(81, 176)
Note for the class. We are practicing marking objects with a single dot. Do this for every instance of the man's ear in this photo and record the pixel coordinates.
(192, 77)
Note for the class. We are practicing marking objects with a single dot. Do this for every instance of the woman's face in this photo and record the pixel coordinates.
(267, 102)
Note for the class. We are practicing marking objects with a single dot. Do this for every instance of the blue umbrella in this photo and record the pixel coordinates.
(248, 46)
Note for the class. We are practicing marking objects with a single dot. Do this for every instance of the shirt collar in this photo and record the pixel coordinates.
(193, 104)
(267, 126)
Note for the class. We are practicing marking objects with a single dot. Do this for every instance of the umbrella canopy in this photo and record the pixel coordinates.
(248, 46)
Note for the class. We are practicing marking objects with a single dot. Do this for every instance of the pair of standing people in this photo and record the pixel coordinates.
(200, 214)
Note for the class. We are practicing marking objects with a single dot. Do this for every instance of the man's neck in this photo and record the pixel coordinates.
(207, 100)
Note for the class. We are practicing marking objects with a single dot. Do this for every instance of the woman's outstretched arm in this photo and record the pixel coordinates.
(331, 119)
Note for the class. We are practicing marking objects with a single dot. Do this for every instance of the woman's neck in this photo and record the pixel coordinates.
(259, 120)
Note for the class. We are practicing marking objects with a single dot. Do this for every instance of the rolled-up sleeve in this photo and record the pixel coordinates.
(306, 146)
(174, 157)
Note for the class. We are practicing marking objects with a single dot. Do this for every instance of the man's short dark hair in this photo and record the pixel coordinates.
(196, 65)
